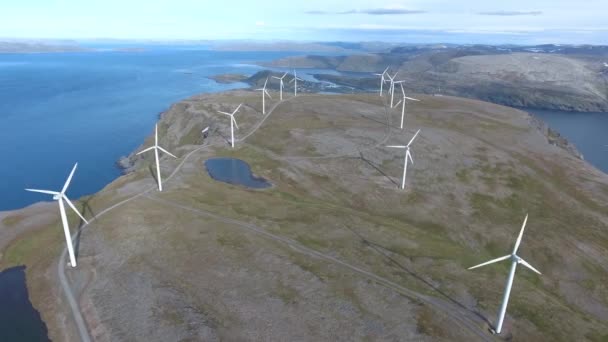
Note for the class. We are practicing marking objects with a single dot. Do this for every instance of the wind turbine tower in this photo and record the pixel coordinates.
(280, 85)
(157, 148)
(295, 80)
(264, 94)
(60, 196)
(232, 122)
(515, 260)
(408, 155)
(382, 79)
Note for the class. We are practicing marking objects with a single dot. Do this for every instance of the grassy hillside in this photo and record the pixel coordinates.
(334, 251)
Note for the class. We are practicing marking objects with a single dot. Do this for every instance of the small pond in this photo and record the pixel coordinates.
(234, 171)
(19, 320)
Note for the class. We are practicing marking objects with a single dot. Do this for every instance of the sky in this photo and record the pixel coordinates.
(415, 21)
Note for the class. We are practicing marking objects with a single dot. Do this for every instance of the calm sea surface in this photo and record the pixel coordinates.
(93, 108)
(587, 131)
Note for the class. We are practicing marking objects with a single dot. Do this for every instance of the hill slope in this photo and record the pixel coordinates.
(334, 251)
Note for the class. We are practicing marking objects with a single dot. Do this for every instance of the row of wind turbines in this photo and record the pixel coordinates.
(513, 257)
(61, 197)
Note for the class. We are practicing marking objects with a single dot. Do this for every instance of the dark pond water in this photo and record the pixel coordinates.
(19, 320)
(234, 171)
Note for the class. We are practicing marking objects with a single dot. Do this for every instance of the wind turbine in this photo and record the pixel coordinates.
(232, 122)
(264, 93)
(60, 197)
(156, 148)
(515, 259)
(382, 79)
(407, 155)
(281, 85)
(392, 87)
(295, 79)
(402, 101)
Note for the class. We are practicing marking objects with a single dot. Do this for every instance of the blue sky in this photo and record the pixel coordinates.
(531, 21)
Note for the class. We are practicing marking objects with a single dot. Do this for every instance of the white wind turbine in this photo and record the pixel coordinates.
(264, 93)
(407, 155)
(515, 259)
(60, 197)
(281, 85)
(382, 79)
(295, 85)
(232, 122)
(392, 86)
(156, 148)
(402, 101)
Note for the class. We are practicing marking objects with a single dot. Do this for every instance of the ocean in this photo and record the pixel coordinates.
(94, 107)
(587, 131)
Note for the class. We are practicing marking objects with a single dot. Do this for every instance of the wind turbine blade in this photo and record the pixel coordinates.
(237, 109)
(491, 262)
(409, 155)
(385, 70)
(396, 146)
(146, 150)
(267, 93)
(48, 192)
(414, 137)
(233, 120)
(224, 113)
(167, 152)
(293, 79)
(403, 91)
(523, 262)
(265, 82)
(396, 104)
(521, 233)
(67, 182)
(285, 74)
(276, 77)
(411, 98)
(74, 208)
(156, 135)
(395, 75)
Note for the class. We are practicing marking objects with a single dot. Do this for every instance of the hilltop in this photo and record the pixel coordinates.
(334, 251)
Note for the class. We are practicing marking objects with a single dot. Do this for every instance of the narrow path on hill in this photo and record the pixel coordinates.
(67, 290)
(459, 315)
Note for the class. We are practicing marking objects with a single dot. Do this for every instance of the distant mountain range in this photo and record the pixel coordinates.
(573, 78)
(39, 47)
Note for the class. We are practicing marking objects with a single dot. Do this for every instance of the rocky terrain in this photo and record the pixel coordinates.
(544, 77)
(334, 251)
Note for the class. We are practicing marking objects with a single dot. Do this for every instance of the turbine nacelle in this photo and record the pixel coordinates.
(60, 197)
(515, 260)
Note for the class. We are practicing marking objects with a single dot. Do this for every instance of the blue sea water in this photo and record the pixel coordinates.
(92, 108)
(587, 131)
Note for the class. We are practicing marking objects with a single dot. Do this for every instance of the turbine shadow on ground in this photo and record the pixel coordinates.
(377, 168)
(373, 119)
(381, 250)
(85, 207)
(153, 172)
